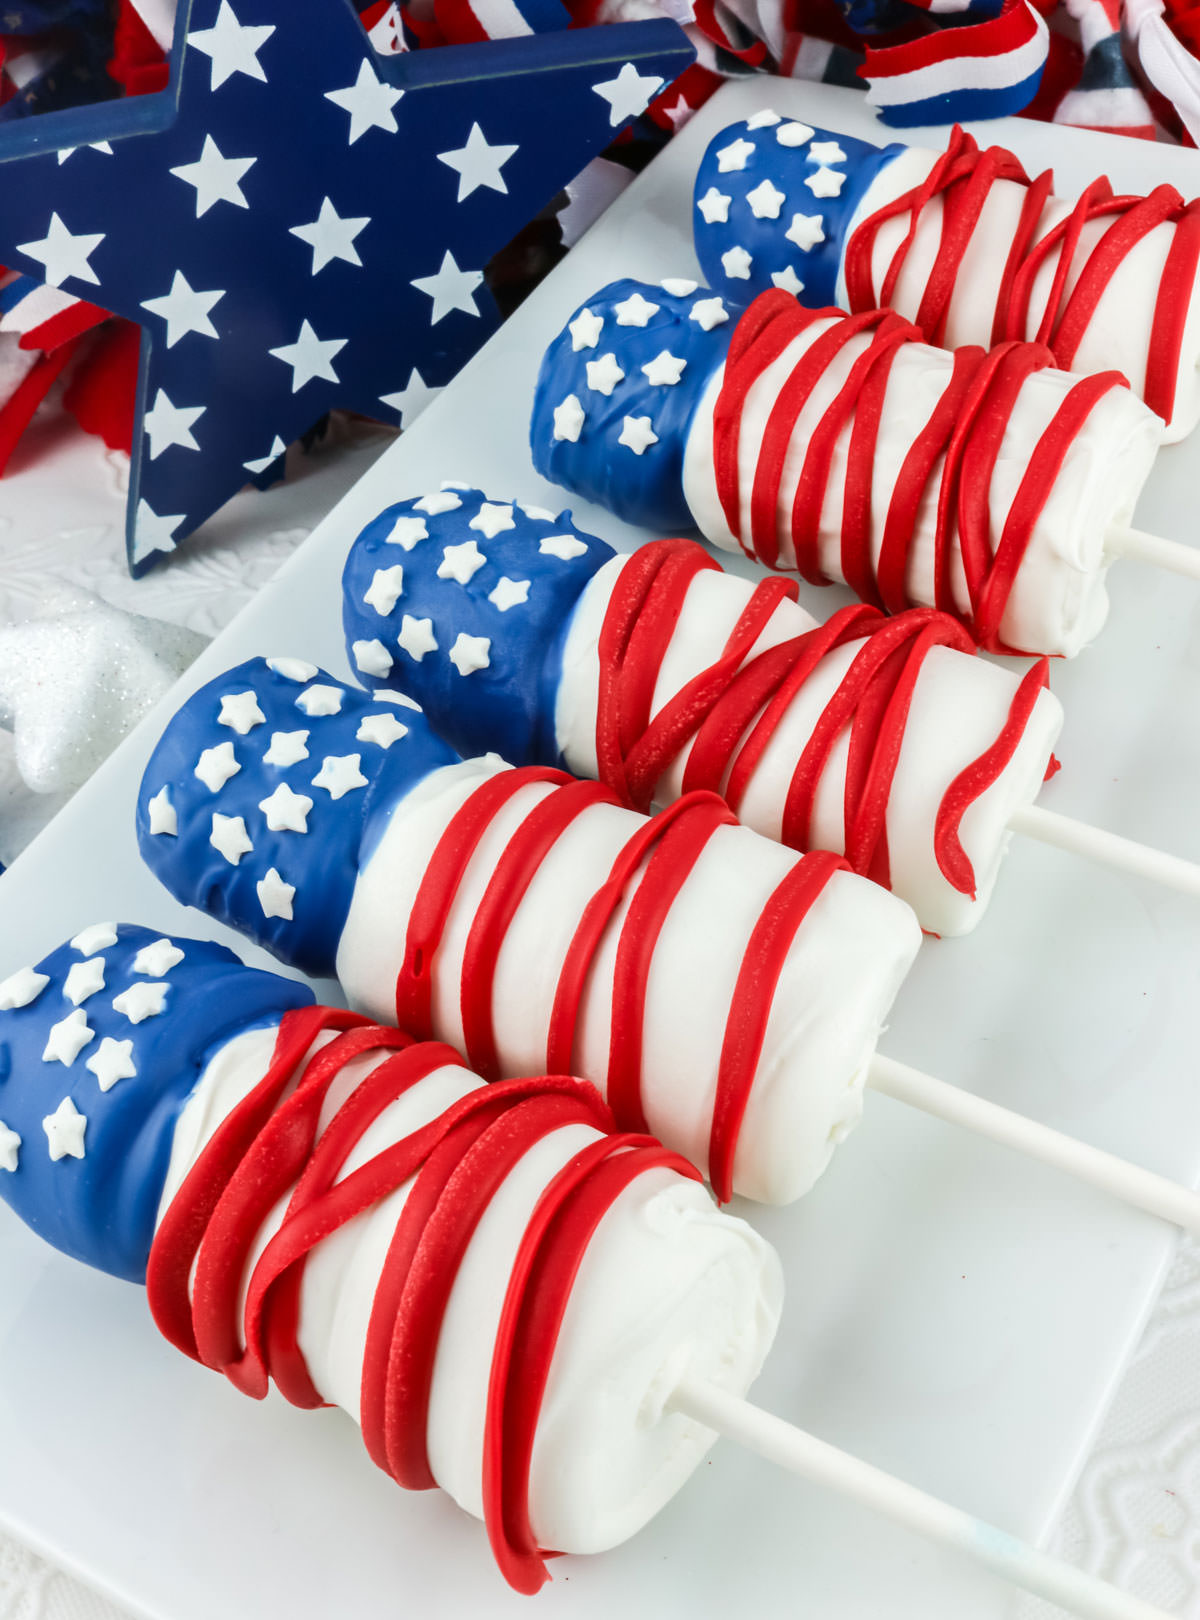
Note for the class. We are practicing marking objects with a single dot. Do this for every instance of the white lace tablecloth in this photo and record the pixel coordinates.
(1135, 1516)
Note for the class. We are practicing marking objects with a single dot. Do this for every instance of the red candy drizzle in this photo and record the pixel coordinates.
(961, 178)
(731, 710)
(954, 452)
(654, 863)
(272, 1142)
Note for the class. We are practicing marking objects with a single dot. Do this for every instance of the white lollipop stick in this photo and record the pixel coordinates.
(801, 1453)
(1153, 549)
(1109, 849)
(1141, 1189)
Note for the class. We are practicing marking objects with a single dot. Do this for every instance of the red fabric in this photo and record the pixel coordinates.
(102, 392)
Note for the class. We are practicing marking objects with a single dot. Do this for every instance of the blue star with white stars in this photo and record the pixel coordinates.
(300, 224)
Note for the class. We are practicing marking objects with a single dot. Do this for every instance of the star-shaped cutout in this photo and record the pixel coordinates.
(736, 264)
(416, 637)
(563, 546)
(62, 255)
(714, 205)
(825, 182)
(369, 101)
(286, 811)
(665, 370)
(65, 1130)
(275, 896)
(569, 418)
(604, 374)
(634, 310)
(233, 47)
(733, 157)
(478, 164)
(240, 712)
(287, 748)
(216, 765)
(163, 817)
(509, 593)
(68, 1038)
(141, 1001)
(470, 653)
(22, 988)
(766, 200)
(158, 959)
(826, 152)
(340, 774)
(381, 729)
(331, 237)
(229, 837)
(708, 312)
(385, 589)
(10, 1148)
(462, 562)
(637, 434)
(372, 658)
(806, 231)
(112, 1062)
(99, 937)
(794, 133)
(186, 227)
(167, 424)
(84, 979)
(629, 94)
(585, 330)
(788, 280)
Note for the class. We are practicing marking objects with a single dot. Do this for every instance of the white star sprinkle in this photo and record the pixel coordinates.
(416, 637)
(99, 937)
(286, 811)
(443, 501)
(385, 589)
(637, 434)
(766, 200)
(736, 264)
(167, 424)
(84, 979)
(10, 1148)
(372, 657)
(470, 653)
(412, 399)
(793, 134)
(665, 370)
(734, 156)
(714, 205)
(158, 959)
(826, 152)
(806, 231)
(340, 774)
(229, 837)
(478, 164)
(401, 699)
(241, 712)
(141, 1001)
(65, 1129)
(113, 1061)
(788, 280)
(509, 593)
(629, 94)
(293, 669)
(492, 519)
(563, 546)
(232, 46)
(184, 310)
(634, 311)
(68, 1038)
(450, 289)
(310, 357)
(604, 374)
(569, 419)
(381, 729)
(287, 748)
(22, 988)
(275, 896)
(539, 514)
(62, 255)
(585, 330)
(708, 312)
(321, 700)
(763, 120)
(163, 818)
(406, 531)
(216, 765)
(215, 177)
(462, 562)
(825, 183)
(369, 102)
(331, 237)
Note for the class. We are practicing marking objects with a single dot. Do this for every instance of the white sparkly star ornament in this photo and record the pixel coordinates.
(451, 288)
(637, 434)
(185, 310)
(286, 811)
(10, 1148)
(416, 637)
(509, 593)
(331, 237)
(569, 418)
(287, 748)
(68, 1038)
(275, 896)
(714, 205)
(470, 653)
(736, 264)
(232, 46)
(84, 980)
(604, 374)
(163, 817)
(629, 94)
(340, 774)
(385, 589)
(665, 370)
(65, 1129)
(585, 330)
(112, 1062)
(62, 255)
(240, 711)
(141, 1001)
(492, 519)
(478, 164)
(310, 357)
(369, 102)
(634, 310)
(372, 657)
(216, 765)
(825, 182)
(215, 177)
(22, 988)
(229, 837)
(462, 562)
(766, 200)
(158, 959)
(381, 729)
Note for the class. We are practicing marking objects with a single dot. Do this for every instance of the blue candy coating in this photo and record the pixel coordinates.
(502, 589)
(788, 168)
(645, 488)
(101, 1208)
(322, 863)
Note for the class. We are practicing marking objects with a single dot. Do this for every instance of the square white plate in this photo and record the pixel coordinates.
(953, 1314)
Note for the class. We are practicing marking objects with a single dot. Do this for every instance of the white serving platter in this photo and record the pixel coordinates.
(953, 1314)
